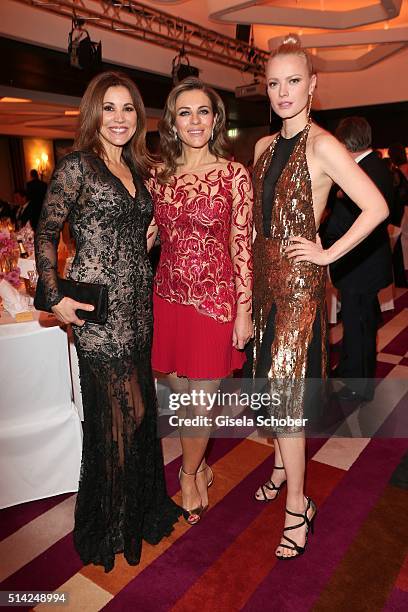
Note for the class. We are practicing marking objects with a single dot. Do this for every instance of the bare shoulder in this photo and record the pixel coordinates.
(330, 157)
(324, 144)
(262, 144)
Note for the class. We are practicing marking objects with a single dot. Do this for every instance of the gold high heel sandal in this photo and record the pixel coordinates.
(209, 482)
(191, 516)
(207, 467)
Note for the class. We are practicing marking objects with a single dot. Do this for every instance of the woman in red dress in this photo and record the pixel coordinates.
(203, 285)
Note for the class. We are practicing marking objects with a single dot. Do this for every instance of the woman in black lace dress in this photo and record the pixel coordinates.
(99, 190)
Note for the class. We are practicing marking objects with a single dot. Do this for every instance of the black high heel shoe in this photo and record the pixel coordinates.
(271, 486)
(309, 522)
(191, 516)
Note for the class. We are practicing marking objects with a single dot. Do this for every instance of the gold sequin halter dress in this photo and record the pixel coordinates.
(289, 349)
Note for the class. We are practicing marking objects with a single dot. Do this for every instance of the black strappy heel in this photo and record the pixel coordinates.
(270, 486)
(309, 525)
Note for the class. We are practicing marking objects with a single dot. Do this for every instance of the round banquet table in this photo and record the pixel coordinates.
(40, 408)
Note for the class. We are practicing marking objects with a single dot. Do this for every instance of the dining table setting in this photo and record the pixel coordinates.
(40, 398)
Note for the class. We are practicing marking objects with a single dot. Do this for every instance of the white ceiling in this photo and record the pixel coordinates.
(364, 63)
(45, 115)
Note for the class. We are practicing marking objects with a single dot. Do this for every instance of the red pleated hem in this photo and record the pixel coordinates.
(192, 344)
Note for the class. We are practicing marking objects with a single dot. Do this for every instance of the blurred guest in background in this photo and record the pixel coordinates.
(6, 210)
(362, 272)
(398, 156)
(36, 190)
(399, 218)
(23, 211)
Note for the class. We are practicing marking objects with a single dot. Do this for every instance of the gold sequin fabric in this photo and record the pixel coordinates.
(296, 289)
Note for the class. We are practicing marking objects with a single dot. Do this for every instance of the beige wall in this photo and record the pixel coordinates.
(243, 143)
(382, 83)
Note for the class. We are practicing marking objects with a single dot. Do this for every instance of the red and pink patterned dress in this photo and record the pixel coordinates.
(205, 270)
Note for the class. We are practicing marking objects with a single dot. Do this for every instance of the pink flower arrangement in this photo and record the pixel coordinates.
(7, 245)
(8, 259)
(12, 277)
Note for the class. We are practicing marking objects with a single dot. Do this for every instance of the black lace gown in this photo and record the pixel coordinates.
(122, 496)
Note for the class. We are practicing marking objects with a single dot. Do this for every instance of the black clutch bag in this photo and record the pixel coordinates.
(87, 293)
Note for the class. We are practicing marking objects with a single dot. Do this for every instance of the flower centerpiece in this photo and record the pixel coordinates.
(8, 259)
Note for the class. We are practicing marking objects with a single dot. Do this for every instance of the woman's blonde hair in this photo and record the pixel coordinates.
(292, 45)
(171, 147)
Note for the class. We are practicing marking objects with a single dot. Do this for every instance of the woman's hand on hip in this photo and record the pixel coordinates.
(65, 311)
(243, 330)
(301, 249)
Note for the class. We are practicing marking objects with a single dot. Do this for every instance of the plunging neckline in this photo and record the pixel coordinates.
(134, 181)
(279, 135)
(271, 148)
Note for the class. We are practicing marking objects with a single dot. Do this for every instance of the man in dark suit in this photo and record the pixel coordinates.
(23, 212)
(365, 270)
(6, 211)
(36, 190)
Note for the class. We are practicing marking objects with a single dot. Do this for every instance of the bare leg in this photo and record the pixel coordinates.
(189, 492)
(194, 443)
(276, 479)
(194, 447)
(293, 455)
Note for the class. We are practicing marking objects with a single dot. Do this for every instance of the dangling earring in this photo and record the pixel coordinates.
(270, 114)
(212, 133)
(309, 105)
(175, 135)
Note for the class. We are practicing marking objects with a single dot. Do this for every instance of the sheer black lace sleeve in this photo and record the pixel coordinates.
(63, 191)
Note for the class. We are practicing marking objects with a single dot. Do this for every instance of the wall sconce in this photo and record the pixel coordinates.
(42, 165)
(233, 133)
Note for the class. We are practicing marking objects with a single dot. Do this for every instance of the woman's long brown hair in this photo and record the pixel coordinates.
(170, 148)
(90, 120)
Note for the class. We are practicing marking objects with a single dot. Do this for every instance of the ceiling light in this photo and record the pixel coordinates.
(7, 99)
(83, 52)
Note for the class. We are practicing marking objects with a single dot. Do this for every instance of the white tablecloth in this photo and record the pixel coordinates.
(40, 428)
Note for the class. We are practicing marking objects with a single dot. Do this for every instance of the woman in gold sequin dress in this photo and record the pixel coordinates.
(294, 171)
